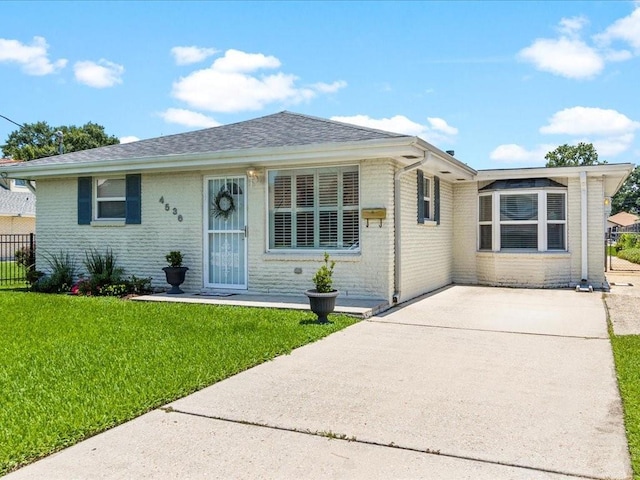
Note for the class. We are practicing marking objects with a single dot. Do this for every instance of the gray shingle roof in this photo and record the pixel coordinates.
(284, 129)
(17, 203)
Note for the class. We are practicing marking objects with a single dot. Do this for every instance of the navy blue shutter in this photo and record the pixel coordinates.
(436, 199)
(134, 199)
(85, 185)
(420, 197)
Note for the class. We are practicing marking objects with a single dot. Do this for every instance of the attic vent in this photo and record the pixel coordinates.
(445, 171)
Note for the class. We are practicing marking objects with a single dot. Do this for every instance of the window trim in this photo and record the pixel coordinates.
(133, 203)
(317, 208)
(96, 201)
(542, 222)
(432, 217)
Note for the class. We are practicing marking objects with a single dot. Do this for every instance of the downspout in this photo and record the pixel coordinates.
(583, 221)
(397, 224)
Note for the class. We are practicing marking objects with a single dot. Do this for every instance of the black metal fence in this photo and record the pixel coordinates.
(613, 238)
(17, 251)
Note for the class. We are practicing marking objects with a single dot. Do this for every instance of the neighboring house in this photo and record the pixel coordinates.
(622, 219)
(253, 206)
(17, 204)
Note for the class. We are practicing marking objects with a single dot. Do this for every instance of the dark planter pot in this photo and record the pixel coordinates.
(322, 304)
(175, 278)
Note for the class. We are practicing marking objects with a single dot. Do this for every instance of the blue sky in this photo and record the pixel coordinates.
(501, 83)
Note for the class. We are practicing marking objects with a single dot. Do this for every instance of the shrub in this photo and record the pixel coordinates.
(102, 272)
(630, 254)
(627, 241)
(323, 277)
(26, 257)
(174, 258)
(60, 279)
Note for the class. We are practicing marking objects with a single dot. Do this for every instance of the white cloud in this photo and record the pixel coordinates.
(129, 139)
(590, 121)
(98, 75)
(626, 29)
(236, 61)
(33, 58)
(329, 87)
(193, 54)
(612, 146)
(188, 118)
(441, 125)
(572, 26)
(233, 84)
(512, 153)
(571, 58)
(438, 131)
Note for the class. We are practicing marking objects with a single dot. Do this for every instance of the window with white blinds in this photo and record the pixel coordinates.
(522, 220)
(314, 209)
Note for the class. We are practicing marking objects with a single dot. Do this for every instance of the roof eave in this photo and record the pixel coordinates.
(401, 148)
(615, 174)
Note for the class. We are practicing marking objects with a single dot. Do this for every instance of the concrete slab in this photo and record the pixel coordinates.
(363, 308)
(160, 445)
(529, 398)
(545, 312)
(540, 402)
(623, 302)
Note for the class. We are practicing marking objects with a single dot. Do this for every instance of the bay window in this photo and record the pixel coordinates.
(522, 218)
(314, 208)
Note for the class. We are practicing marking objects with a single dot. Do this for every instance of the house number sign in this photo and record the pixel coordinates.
(167, 208)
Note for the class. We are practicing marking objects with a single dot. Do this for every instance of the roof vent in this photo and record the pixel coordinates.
(451, 152)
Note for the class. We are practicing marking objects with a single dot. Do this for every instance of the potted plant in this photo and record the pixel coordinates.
(175, 272)
(323, 298)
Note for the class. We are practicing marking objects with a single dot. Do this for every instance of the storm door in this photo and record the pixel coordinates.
(226, 233)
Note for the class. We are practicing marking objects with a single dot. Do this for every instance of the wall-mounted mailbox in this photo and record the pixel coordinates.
(374, 214)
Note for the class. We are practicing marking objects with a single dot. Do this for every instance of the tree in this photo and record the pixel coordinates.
(628, 197)
(37, 140)
(573, 156)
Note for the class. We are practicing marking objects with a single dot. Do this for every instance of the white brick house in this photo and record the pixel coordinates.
(253, 205)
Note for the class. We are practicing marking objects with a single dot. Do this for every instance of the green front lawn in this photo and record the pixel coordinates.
(74, 366)
(626, 350)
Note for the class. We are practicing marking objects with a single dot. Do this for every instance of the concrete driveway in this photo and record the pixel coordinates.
(470, 382)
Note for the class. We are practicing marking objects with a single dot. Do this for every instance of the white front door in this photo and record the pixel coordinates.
(225, 232)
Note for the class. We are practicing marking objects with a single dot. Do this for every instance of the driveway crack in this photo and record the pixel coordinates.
(345, 438)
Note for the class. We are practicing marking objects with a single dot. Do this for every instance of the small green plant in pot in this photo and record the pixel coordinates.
(322, 299)
(175, 272)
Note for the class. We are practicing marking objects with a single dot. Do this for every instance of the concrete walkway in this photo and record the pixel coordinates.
(623, 302)
(468, 383)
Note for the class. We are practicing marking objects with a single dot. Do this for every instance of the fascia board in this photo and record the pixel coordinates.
(551, 172)
(397, 148)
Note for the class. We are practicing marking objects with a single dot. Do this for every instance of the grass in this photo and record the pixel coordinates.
(626, 351)
(10, 269)
(71, 367)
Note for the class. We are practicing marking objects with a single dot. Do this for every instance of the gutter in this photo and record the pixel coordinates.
(397, 223)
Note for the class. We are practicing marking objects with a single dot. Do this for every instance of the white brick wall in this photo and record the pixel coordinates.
(465, 217)
(141, 249)
(562, 269)
(365, 274)
(432, 255)
(427, 250)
